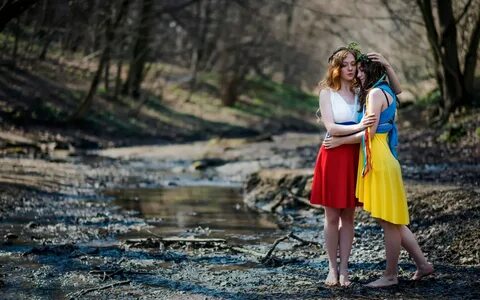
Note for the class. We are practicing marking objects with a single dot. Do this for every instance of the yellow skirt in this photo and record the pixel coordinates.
(381, 191)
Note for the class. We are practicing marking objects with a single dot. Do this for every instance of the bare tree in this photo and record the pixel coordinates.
(111, 22)
(456, 87)
(140, 49)
(11, 9)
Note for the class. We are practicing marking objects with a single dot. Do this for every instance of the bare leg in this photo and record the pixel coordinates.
(332, 215)
(345, 243)
(393, 242)
(411, 245)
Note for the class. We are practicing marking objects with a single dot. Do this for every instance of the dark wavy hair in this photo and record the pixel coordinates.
(374, 71)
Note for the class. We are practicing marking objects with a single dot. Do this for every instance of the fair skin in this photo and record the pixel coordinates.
(338, 228)
(396, 236)
(347, 75)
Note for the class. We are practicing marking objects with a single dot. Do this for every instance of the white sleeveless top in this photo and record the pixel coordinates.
(343, 111)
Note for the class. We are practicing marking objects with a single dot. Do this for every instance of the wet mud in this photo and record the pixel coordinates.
(159, 223)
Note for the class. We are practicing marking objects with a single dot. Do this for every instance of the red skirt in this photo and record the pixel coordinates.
(335, 177)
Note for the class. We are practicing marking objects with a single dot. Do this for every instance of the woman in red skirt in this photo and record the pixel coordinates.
(335, 172)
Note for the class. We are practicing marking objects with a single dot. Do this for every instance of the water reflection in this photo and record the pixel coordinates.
(201, 210)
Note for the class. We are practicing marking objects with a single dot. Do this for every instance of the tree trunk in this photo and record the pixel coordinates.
(46, 44)
(203, 11)
(118, 78)
(109, 37)
(229, 90)
(471, 61)
(452, 76)
(16, 41)
(450, 79)
(288, 66)
(140, 51)
(43, 32)
(86, 103)
(107, 71)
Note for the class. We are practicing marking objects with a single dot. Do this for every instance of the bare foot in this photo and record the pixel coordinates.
(423, 271)
(344, 279)
(332, 278)
(383, 281)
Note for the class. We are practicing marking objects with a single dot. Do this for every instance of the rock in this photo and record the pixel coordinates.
(275, 187)
(207, 163)
(10, 236)
(31, 225)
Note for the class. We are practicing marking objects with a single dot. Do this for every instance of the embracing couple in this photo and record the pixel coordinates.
(357, 164)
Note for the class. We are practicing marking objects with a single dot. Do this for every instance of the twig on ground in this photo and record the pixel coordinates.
(86, 291)
(269, 253)
(304, 242)
(247, 251)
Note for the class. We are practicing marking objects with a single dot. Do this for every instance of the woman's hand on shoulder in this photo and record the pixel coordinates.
(377, 57)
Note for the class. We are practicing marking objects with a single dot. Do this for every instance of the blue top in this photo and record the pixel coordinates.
(386, 123)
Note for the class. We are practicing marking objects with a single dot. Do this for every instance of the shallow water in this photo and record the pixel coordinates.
(202, 211)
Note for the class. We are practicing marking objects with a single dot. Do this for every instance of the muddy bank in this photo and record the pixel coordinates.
(64, 237)
(64, 266)
(444, 217)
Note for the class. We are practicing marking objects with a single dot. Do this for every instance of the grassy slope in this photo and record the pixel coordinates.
(35, 96)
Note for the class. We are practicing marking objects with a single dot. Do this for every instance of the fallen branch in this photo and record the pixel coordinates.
(107, 274)
(86, 291)
(192, 240)
(304, 242)
(267, 257)
(186, 240)
(247, 251)
(159, 241)
(269, 253)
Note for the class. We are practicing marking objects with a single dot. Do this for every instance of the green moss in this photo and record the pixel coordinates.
(432, 98)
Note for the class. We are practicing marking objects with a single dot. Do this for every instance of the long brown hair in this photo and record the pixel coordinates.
(332, 78)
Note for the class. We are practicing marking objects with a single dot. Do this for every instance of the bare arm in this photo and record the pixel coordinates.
(392, 76)
(336, 129)
(335, 141)
(374, 106)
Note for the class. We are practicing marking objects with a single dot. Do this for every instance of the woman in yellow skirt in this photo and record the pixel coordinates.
(379, 178)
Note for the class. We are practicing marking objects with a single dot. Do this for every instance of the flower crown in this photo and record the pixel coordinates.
(353, 47)
(362, 58)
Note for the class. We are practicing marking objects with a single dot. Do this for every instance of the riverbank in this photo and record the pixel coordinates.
(64, 236)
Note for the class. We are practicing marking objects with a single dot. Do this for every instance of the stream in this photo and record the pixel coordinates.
(213, 211)
(66, 223)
